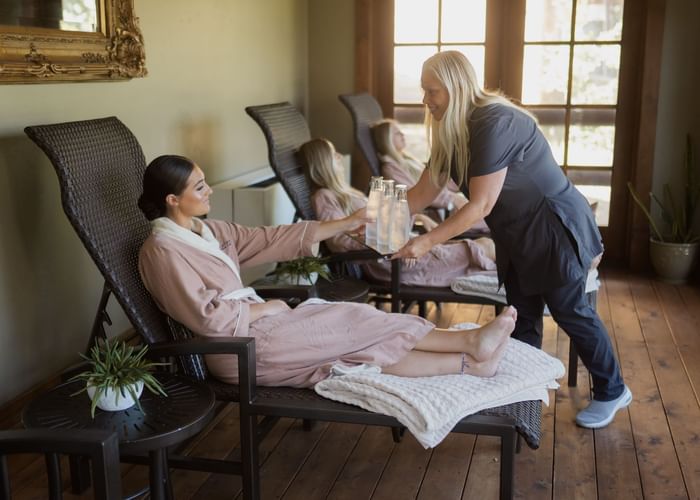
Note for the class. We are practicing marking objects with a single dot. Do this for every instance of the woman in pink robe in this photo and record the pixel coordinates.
(399, 165)
(333, 199)
(191, 268)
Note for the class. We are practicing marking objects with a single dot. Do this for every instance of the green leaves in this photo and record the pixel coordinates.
(678, 215)
(304, 267)
(118, 366)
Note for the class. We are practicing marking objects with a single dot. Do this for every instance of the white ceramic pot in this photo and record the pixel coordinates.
(299, 280)
(116, 400)
(673, 262)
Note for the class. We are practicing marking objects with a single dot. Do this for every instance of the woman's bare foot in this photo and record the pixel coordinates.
(493, 335)
(486, 368)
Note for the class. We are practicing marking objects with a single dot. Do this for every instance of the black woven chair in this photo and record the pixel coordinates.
(365, 111)
(286, 130)
(101, 447)
(100, 166)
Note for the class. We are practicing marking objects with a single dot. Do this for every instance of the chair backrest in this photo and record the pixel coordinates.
(100, 168)
(286, 130)
(365, 111)
(102, 447)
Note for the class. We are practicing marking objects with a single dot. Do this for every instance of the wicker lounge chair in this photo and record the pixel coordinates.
(100, 165)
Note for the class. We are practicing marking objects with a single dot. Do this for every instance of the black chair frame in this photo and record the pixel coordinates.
(100, 165)
(101, 447)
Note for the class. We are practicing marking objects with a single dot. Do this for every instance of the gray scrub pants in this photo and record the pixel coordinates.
(573, 313)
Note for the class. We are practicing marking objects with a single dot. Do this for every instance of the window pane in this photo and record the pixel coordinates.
(415, 22)
(598, 20)
(475, 54)
(599, 198)
(463, 20)
(596, 68)
(548, 20)
(592, 137)
(408, 62)
(552, 123)
(545, 74)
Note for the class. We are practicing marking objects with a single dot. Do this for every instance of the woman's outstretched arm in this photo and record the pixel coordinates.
(328, 229)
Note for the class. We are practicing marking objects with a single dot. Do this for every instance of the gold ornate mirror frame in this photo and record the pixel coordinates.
(39, 55)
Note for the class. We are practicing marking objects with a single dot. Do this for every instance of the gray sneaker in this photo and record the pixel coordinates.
(600, 413)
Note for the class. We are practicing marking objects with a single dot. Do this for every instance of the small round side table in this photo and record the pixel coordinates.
(167, 420)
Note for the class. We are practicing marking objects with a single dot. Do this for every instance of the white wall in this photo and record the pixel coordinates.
(679, 101)
(207, 60)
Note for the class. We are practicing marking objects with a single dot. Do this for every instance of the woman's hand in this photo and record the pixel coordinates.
(415, 248)
(269, 308)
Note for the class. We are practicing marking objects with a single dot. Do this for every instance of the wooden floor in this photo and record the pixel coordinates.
(651, 450)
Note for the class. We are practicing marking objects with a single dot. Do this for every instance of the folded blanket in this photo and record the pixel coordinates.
(430, 407)
(486, 285)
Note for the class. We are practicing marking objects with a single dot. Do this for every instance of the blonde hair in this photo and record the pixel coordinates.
(381, 135)
(450, 135)
(317, 156)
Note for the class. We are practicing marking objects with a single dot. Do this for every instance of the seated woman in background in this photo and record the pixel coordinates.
(399, 165)
(191, 268)
(334, 198)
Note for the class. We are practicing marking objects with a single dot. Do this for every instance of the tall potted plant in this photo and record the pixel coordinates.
(673, 252)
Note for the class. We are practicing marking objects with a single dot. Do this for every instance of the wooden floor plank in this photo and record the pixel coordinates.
(404, 471)
(574, 451)
(364, 467)
(483, 481)
(315, 479)
(617, 469)
(448, 468)
(675, 388)
(659, 468)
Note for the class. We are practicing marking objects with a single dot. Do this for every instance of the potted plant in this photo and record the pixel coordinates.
(117, 375)
(673, 253)
(302, 271)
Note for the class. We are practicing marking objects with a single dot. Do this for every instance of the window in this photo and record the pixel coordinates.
(566, 57)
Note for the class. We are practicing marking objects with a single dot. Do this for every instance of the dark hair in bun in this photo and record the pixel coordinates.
(165, 175)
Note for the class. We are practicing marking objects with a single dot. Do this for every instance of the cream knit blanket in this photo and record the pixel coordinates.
(430, 407)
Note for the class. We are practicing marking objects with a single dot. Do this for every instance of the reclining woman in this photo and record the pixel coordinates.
(402, 167)
(333, 198)
(191, 268)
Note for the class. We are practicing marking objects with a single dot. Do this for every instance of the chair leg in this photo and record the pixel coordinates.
(397, 433)
(250, 466)
(422, 308)
(573, 364)
(53, 469)
(507, 464)
(4, 479)
(79, 474)
(307, 424)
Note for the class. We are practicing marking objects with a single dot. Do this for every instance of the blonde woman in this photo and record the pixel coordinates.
(334, 198)
(399, 165)
(545, 233)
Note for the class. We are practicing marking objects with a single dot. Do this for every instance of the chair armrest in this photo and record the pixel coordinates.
(243, 347)
(351, 255)
(202, 345)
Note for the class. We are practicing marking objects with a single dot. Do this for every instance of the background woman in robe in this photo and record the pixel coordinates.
(399, 165)
(334, 198)
(191, 268)
(545, 233)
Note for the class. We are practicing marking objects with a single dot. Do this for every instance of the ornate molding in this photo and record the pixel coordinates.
(35, 55)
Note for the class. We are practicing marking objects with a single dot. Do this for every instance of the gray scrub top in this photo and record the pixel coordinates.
(542, 226)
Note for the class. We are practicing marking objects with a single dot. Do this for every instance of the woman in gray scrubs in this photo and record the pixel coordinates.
(545, 234)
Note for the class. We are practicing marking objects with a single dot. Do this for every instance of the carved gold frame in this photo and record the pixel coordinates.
(39, 55)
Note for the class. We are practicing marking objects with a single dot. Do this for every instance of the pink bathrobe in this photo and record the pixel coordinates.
(295, 348)
(436, 268)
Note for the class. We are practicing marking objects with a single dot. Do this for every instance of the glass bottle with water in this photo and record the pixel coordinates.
(401, 219)
(386, 206)
(376, 189)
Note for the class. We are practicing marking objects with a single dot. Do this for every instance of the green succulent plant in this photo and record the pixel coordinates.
(304, 267)
(117, 366)
(678, 215)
